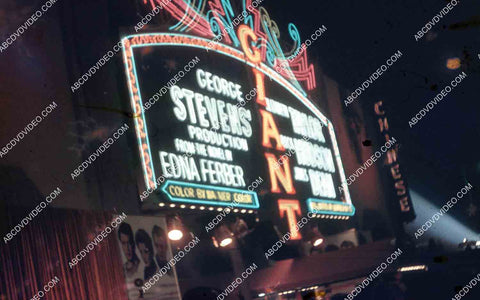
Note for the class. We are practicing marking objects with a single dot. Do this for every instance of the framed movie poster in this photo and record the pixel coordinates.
(145, 249)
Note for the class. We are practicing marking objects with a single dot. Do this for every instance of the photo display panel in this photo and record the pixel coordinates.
(207, 135)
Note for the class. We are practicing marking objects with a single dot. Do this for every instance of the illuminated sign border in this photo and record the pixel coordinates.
(329, 212)
(206, 202)
(182, 40)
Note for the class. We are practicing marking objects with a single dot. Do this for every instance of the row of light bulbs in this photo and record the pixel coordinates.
(331, 217)
(413, 268)
(243, 211)
(291, 291)
(210, 208)
(402, 269)
(223, 236)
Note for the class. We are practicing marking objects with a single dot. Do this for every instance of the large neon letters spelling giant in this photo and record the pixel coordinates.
(290, 208)
(278, 174)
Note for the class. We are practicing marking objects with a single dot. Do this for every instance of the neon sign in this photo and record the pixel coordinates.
(218, 18)
(209, 195)
(391, 161)
(209, 141)
(290, 209)
(328, 207)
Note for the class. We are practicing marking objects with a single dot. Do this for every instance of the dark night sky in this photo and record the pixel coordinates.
(441, 151)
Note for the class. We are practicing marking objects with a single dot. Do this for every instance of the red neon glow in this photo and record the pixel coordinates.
(401, 189)
(383, 123)
(391, 156)
(139, 126)
(148, 170)
(180, 10)
(280, 173)
(377, 108)
(260, 83)
(252, 53)
(195, 21)
(289, 208)
(270, 131)
(404, 205)
(395, 171)
(300, 70)
(258, 28)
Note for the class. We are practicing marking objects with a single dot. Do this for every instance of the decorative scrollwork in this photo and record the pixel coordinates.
(217, 19)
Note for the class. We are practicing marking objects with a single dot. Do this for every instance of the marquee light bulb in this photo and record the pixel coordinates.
(453, 63)
(226, 242)
(175, 234)
(317, 242)
(224, 235)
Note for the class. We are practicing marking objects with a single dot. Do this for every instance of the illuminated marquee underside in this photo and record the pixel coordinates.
(221, 181)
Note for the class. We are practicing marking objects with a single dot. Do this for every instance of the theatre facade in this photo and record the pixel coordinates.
(236, 140)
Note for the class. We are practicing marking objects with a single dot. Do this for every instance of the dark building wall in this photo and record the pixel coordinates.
(33, 75)
(39, 68)
(367, 191)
